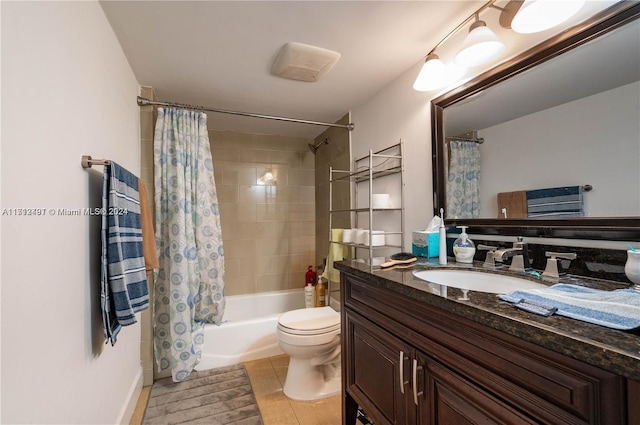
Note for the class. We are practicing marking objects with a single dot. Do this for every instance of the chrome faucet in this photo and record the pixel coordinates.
(518, 253)
(554, 269)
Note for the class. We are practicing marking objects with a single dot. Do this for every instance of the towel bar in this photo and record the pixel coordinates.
(87, 161)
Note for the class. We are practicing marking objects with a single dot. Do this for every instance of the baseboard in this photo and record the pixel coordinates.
(124, 417)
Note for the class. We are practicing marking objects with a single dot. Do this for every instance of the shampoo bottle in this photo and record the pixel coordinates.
(321, 293)
(463, 248)
(310, 277)
(443, 240)
(309, 295)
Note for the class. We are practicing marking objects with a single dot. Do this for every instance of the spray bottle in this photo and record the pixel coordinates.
(443, 240)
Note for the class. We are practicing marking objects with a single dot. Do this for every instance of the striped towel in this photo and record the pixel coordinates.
(618, 309)
(555, 202)
(123, 278)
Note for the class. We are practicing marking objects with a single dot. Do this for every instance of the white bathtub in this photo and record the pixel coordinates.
(249, 328)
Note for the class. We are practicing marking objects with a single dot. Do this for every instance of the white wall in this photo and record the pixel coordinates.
(593, 141)
(67, 91)
(399, 112)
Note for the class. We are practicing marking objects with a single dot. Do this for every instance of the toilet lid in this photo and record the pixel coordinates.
(307, 321)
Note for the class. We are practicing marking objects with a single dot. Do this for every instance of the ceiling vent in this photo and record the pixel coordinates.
(302, 62)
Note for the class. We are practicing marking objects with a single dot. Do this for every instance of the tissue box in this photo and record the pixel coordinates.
(425, 244)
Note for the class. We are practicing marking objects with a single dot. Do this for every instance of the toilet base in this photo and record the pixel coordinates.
(307, 382)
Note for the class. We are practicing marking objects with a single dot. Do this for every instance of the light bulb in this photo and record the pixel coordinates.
(480, 46)
(431, 75)
(539, 15)
(435, 74)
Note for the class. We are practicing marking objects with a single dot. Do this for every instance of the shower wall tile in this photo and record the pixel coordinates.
(302, 212)
(337, 155)
(238, 213)
(301, 177)
(253, 194)
(272, 212)
(239, 247)
(307, 195)
(272, 282)
(268, 229)
(307, 228)
(265, 247)
(221, 155)
(227, 193)
(218, 176)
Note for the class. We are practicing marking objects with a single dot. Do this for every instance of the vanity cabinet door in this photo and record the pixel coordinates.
(378, 371)
(447, 398)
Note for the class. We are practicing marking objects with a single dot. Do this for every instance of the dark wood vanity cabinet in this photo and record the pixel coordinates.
(401, 385)
(406, 362)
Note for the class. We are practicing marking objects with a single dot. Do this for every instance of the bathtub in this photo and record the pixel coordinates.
(248, 331)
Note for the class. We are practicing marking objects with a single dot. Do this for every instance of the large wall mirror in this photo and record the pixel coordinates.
(565, 114)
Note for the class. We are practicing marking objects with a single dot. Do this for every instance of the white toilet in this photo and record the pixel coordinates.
(311, 338)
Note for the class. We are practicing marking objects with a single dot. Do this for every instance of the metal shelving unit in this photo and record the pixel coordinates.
(369, 169)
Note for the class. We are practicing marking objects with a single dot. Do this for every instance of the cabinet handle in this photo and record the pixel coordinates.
(416, 368)
(402, 381)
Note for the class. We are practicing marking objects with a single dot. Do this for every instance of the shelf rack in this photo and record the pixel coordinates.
(368, 169)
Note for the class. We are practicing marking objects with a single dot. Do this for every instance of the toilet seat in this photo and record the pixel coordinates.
(309, 321)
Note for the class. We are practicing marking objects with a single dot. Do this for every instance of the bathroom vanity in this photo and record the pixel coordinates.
(416, 353)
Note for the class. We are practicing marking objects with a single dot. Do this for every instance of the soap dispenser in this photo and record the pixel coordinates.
(463, 248)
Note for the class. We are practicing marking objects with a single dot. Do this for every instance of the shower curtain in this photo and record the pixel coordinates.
(189, 286)
(463, 180)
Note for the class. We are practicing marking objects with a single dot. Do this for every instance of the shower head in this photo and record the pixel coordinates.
(314, 148)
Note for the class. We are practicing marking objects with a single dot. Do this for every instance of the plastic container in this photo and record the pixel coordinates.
(463, 248)
(309, 296)
(311, 277)
(321, 293)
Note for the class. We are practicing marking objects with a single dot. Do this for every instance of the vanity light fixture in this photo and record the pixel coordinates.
(539, 15)
(435, 74)
(480, 46)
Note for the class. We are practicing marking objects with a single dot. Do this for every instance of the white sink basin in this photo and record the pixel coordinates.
(477, 281)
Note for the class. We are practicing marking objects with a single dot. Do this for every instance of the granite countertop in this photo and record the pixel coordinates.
(613, 350)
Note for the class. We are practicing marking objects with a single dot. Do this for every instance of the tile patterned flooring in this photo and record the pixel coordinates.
(267, 377)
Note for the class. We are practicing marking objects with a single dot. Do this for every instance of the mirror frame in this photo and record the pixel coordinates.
(609, 228)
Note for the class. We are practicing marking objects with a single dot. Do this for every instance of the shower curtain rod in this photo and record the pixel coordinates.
(479, 140)
(146, 102)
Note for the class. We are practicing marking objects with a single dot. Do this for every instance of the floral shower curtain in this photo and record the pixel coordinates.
(189, 285)
(463, 180)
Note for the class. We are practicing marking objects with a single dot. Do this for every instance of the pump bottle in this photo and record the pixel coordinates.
(321, 293)
(463, 248)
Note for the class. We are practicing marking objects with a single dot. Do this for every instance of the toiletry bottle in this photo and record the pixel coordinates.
(443, 240)
(321, 293)
(309, 295)
(463, 247)
(310, 277)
